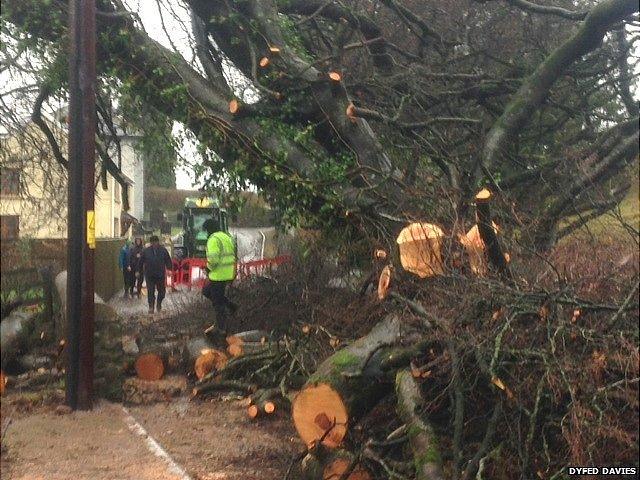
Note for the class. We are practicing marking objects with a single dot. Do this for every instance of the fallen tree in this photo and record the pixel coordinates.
(345, 386)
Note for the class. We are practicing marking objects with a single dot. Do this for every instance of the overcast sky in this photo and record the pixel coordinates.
(153, 20)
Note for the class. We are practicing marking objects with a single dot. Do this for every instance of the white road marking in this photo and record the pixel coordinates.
(154, 447)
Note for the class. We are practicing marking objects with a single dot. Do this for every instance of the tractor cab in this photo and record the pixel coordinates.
(192, 241)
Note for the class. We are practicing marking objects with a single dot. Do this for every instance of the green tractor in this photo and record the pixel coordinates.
(192, 241)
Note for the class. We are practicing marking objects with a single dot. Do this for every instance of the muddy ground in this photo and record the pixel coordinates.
(210, 439)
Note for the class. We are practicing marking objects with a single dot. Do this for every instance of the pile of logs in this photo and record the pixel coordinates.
(327, 403)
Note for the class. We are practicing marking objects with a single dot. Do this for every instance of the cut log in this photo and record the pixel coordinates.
(248, 336)
(274, 50)
(264, 62)
(15, 330)
(149, 366)
(420, 246)
(253, 411)
(266, 401)
(144, 392)
(234, 106)
(235, 350)
(35, 379)
(345, 386)
(224, 385)
(351, 112)
(210, 360)
(174, 354)
(34, 362)
(323, 464)
(61, 287)
(422, 439)
(335, 77)
(336, 468)
(197, 346)
(3, 382)
(240, 349)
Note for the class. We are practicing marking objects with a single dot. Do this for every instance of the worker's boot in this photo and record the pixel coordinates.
(150, 309)
(159, 307)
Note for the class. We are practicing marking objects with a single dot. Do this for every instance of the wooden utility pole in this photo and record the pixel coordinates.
(81, 215)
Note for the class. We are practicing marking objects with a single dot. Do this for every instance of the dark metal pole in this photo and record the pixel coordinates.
(81, 228)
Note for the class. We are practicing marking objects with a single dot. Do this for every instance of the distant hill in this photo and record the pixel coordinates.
(167, 199)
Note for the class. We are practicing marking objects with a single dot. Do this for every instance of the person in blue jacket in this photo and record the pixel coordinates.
(124, 264)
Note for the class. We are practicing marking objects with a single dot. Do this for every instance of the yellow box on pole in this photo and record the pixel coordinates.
(91, 229)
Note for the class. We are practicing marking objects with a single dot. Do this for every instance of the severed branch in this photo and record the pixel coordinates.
(488, 234)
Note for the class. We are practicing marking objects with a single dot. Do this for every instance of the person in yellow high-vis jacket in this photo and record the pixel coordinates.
(221, 264)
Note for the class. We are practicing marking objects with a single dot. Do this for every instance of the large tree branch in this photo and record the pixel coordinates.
(536, 87)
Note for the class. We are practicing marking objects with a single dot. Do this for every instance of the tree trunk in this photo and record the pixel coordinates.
(345, 386)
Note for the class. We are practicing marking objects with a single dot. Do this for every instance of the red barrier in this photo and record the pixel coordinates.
(192, 271)
(260, 267)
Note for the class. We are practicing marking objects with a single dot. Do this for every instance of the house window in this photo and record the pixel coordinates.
(116, 227)
(10, 227)
(10, 181)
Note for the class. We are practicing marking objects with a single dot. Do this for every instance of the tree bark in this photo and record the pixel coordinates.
(422, 439)
(345, 386)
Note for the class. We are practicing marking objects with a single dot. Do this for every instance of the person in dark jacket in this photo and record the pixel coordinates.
(135, 262)
(123, 263)
(155, 262)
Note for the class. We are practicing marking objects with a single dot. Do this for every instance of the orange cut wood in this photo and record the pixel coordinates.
(264, 62)
(316, 409)
(269, 407)
(383, 282)
(3, 382)
(420, 249)
(274, 50)
(211, 359)
(234, 340)
(253, 411)
(336, 468)
(335, 76)
(149, 367)
(483, 195)
(235, 349)
(234, 106)
(351, 112)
